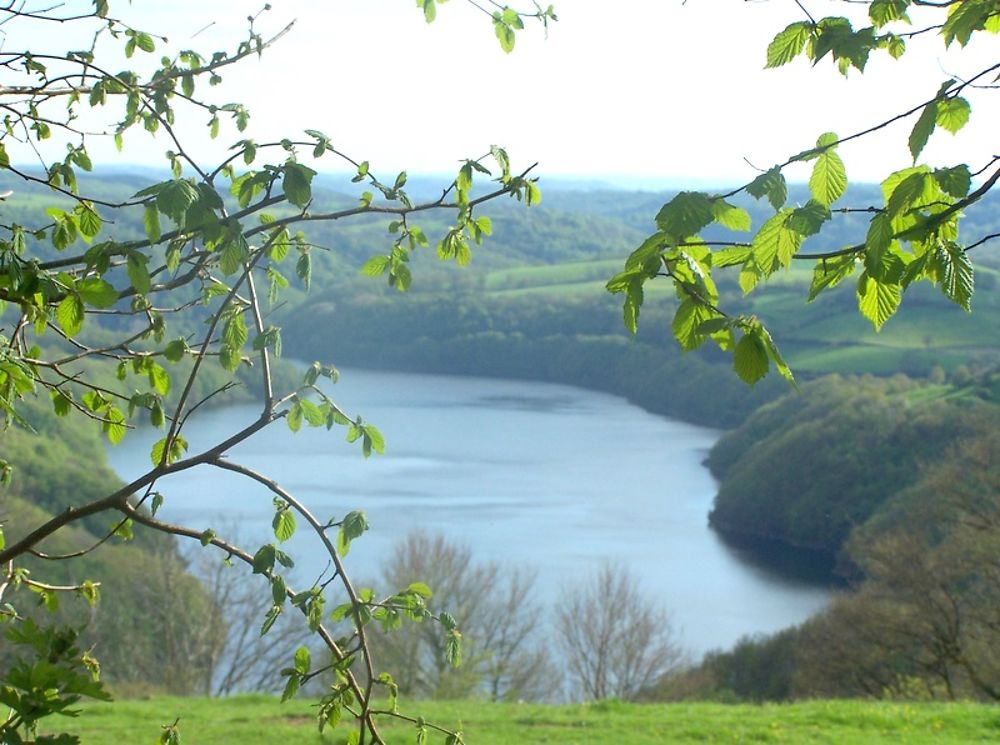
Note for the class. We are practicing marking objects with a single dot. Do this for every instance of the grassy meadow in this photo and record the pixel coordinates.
(250, 720)
(815, 338)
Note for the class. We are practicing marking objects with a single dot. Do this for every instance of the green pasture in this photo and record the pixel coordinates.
(250, 720)
(552, 274)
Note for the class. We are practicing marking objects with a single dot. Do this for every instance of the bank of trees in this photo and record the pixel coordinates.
(920, 620)
(809, 469)
(600, 638)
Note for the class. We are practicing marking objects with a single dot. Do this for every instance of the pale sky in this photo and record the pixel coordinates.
(658, 89)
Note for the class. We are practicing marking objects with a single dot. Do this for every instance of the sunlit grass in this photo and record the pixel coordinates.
(249, 720)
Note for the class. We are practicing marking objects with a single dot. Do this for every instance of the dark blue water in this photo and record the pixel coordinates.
(530, 474)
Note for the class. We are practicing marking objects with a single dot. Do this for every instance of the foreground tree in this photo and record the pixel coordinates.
(912, 237)
(119, 324)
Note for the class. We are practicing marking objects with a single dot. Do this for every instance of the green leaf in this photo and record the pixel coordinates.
(372, 440)
(808, 219)
(174, 351)
(953, 113)
(879, 237)
(114, 425)
(291, 688)
(294, 417)
(484, 224)
(352, 527)
(315, 415)
(297, 183)
(730, 256)
(775, 244)
(263, 560)
(453, 654)
(964, 19)
(775, 355)
(923, 129)
(303, 269)
(420, 589)
(283, 524)
(61, 402)
(788, 44)
(159, 379)
(156, 415)
(173, 256)
(896, 46)
(138, 274)
(464, 180)
(270, 618)
(69, 314)
(883, 12)
(270, 338)
(151, 222)
(957, 281)
(750, 359)
(685, 215)
(750, 275)
(729, 216)
(772, 185)
(877, 301)
(279, 590)
(955, 181)
(64, 232)
(906, 193)
(634, 295)
(90, 222)
(124, 530)
(97, 292)
(376, 266)
(688, 321)
(303, 660)
(175, 198)
(145, 42)
(177, 449)
(828, 181)
(235, 333)
(504, 33)
(235, 252)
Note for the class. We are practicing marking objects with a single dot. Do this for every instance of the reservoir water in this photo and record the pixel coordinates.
(527, 474)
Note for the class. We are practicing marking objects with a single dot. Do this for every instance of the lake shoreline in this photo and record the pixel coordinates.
(547, 475)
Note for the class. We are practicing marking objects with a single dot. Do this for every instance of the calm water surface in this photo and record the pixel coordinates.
(546, 476)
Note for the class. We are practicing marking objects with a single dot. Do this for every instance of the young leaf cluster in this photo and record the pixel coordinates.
(120, 327)
(913, 236)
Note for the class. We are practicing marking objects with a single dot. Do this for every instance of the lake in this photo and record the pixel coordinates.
(531, 474)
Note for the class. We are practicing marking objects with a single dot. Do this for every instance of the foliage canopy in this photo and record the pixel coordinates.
(912, 237)
(120, 326)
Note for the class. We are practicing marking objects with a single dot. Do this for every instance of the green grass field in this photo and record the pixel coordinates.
(817, 338)
(249, 720)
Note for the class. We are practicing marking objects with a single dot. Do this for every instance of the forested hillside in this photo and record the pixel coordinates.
(812, 467)
(830, 468)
